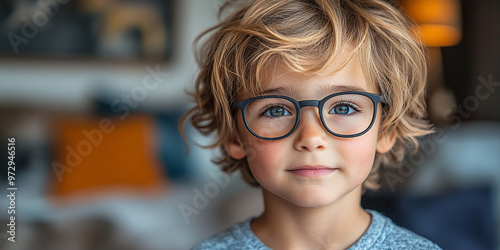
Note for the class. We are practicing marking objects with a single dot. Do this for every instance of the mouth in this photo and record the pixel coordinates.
(312, 171)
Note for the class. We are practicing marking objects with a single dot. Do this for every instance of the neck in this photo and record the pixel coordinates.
(285, 225)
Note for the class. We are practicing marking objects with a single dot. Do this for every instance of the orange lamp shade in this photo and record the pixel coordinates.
(439, 22)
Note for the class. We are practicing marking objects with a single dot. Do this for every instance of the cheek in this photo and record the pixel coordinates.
(358, 154)
(265, 160)
(263, 156)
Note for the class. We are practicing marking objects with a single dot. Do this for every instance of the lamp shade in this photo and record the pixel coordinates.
(439, 21)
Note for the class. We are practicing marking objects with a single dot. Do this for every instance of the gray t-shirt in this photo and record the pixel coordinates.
(381, 234)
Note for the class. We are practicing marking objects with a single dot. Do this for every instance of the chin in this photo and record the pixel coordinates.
(317, 199)
(323, 197)
(312, 203)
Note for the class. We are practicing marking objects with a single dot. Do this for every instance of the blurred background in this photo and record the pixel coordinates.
(92, 92)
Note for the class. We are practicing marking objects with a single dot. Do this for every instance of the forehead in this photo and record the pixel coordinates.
(337, 77)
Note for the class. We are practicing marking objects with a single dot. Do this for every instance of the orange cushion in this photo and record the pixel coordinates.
(97, 154)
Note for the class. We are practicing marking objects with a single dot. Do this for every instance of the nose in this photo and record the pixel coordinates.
(311, 135)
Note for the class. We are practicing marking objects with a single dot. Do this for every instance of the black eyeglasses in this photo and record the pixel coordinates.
(345, 114)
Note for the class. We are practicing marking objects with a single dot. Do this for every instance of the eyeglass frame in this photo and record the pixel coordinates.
(375, 98)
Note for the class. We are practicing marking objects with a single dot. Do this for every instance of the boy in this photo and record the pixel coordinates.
(307, 98)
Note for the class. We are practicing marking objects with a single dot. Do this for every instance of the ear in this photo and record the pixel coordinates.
(386, 141)
(235, 147)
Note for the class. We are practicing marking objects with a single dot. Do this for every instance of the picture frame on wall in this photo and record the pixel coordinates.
(82, 29)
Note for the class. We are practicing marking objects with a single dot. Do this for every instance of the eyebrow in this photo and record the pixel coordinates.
(280, 91)
(326, 90)
(330, 89)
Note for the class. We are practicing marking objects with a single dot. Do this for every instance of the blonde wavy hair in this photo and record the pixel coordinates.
(307, 36)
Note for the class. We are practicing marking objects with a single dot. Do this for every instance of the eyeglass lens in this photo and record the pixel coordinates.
(346, 114)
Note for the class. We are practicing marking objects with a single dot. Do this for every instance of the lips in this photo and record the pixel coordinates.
(312, 171)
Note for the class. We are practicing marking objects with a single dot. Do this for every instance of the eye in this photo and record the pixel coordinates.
(276, 111)
(343, 109)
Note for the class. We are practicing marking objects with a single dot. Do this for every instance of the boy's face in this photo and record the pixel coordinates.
(311, 167)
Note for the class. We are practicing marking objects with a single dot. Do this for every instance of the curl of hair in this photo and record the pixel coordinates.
(307, 36)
